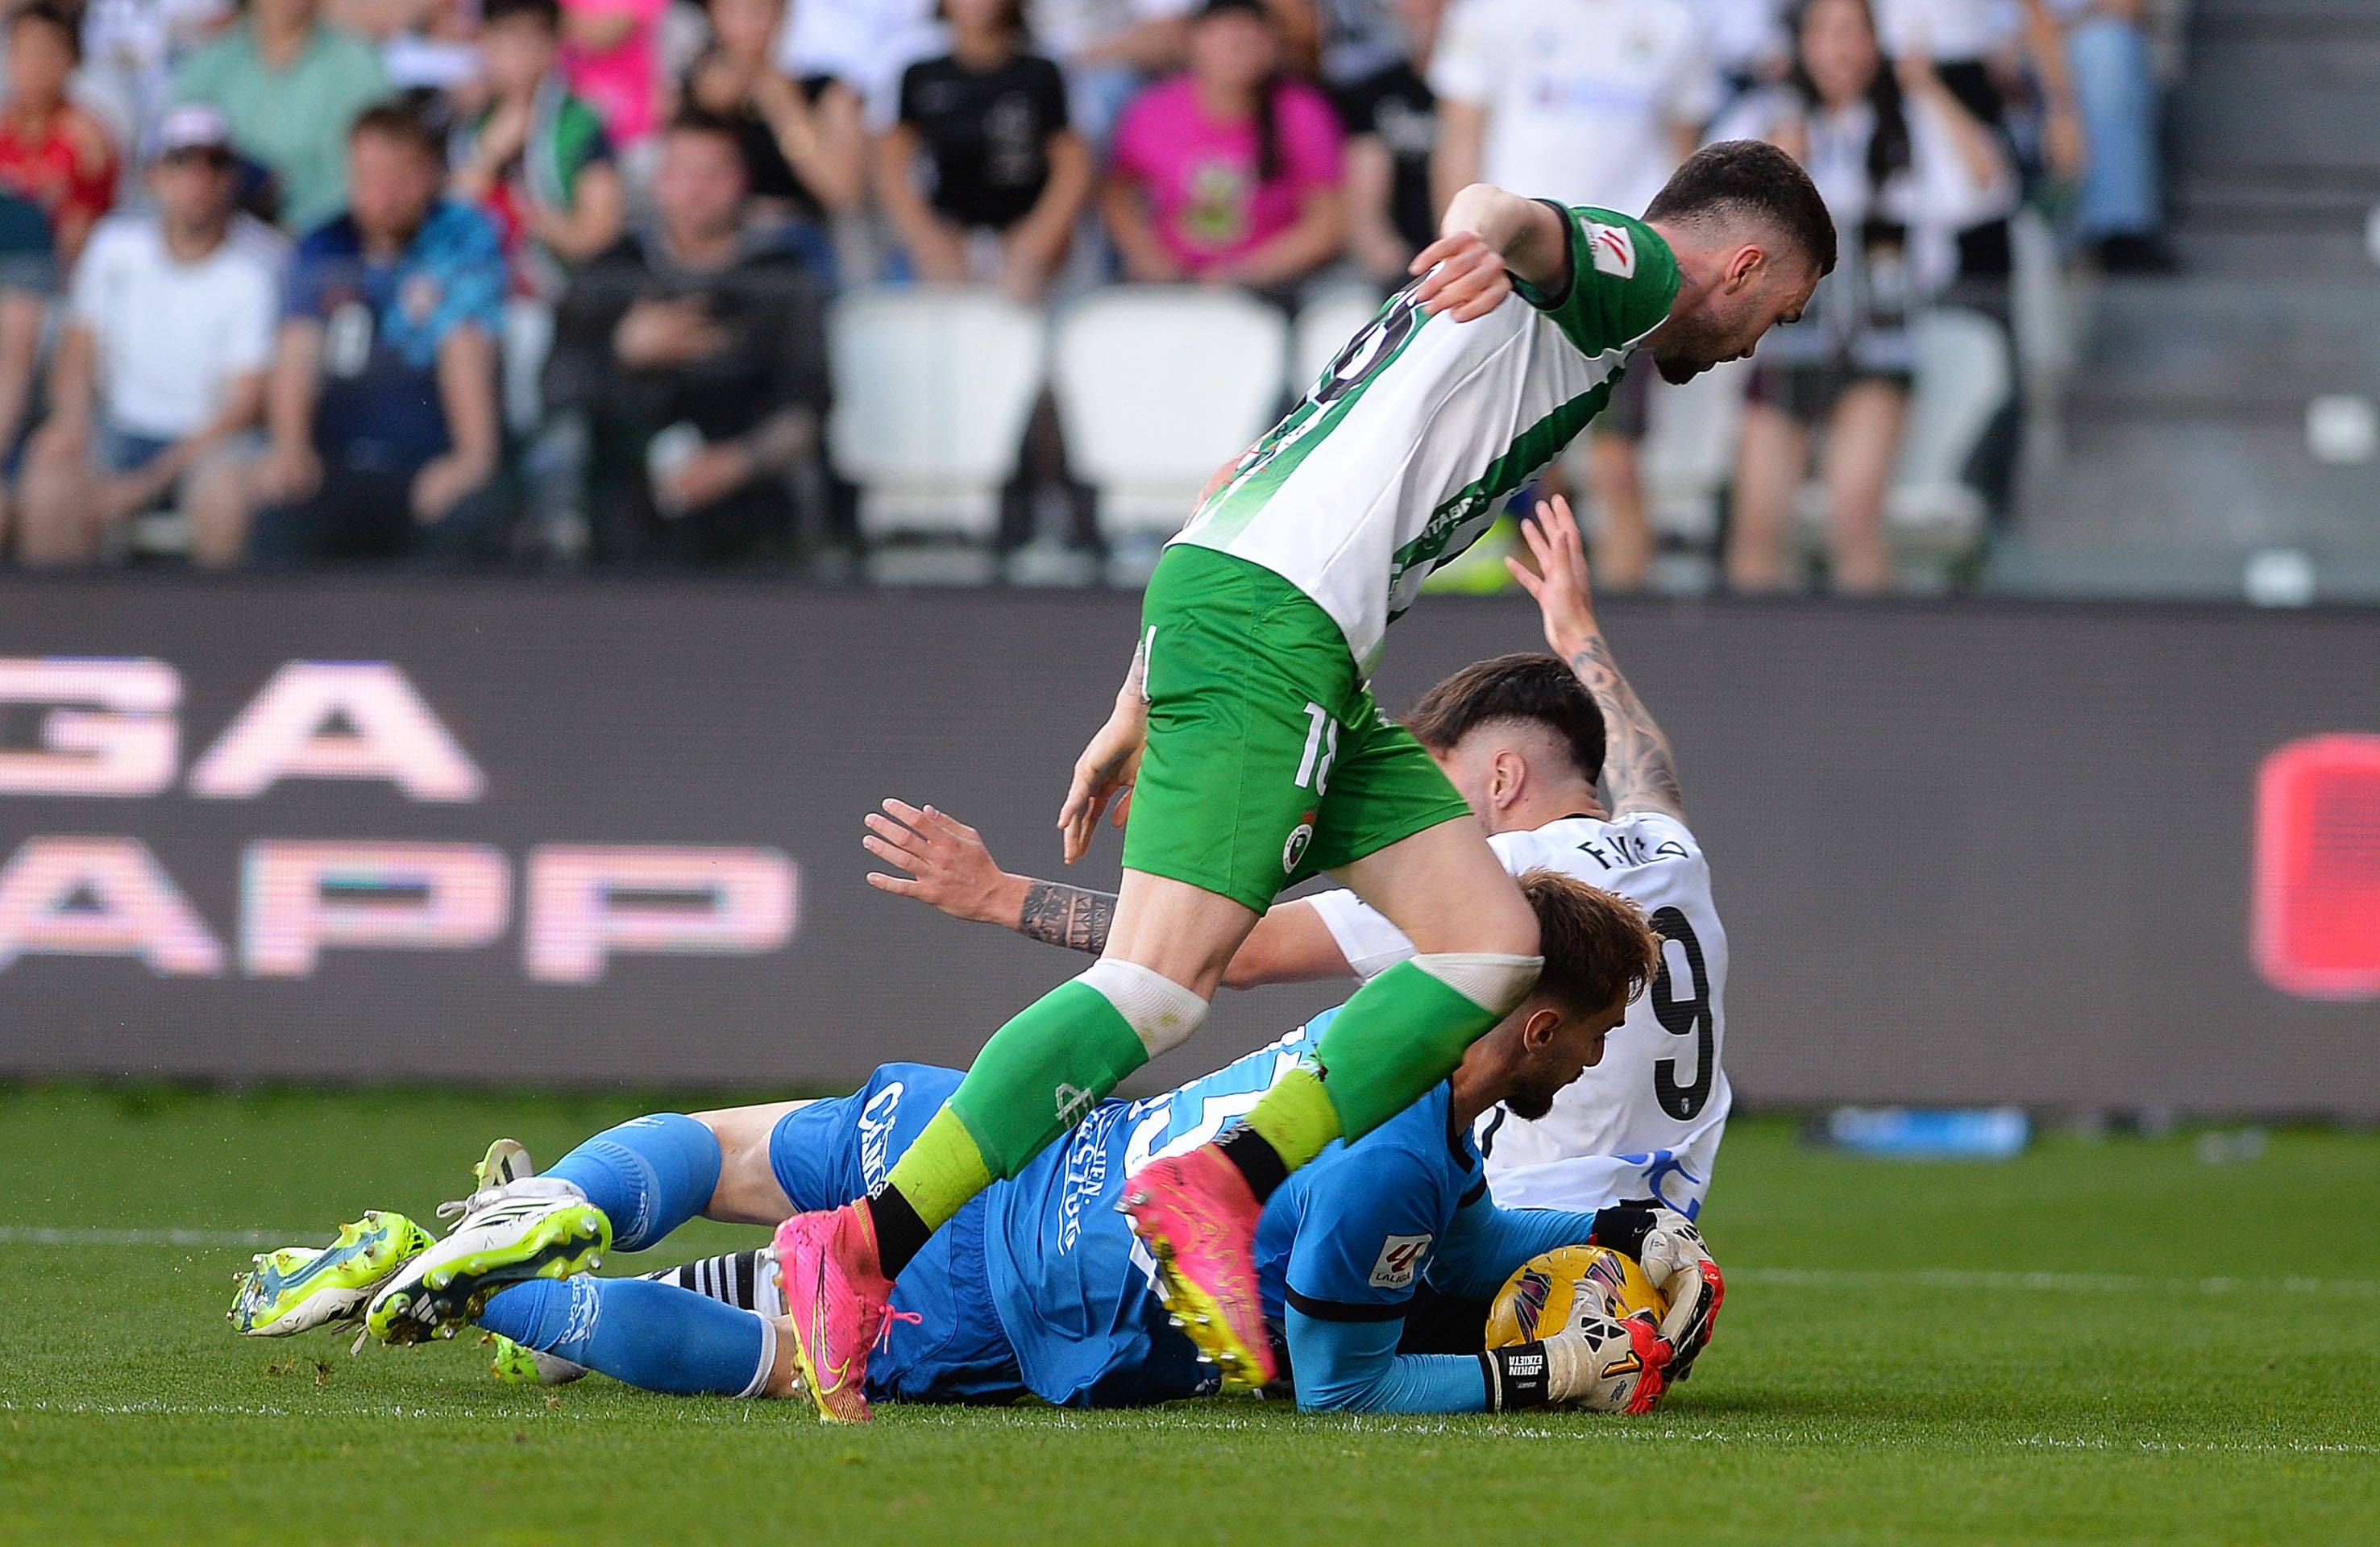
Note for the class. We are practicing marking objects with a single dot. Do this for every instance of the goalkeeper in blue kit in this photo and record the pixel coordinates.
(1039, 1286)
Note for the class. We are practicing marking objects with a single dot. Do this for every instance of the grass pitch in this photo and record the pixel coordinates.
(2103, 1342)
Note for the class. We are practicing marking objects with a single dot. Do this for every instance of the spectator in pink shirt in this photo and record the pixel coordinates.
(1229, 171)
(608, 60)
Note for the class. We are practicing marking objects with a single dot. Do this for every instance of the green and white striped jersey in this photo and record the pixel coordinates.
(1407, 448)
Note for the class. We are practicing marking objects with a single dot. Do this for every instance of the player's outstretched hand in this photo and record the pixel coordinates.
(1465, 278)
(1105, 772)
(949, 866)
(1564, 597)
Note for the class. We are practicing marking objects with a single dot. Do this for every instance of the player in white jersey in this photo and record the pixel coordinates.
(1647, 1122)
(1523, 738)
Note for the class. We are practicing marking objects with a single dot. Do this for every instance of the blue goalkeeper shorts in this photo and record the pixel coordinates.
(945, 1342)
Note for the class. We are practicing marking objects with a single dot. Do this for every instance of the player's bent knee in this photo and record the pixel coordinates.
(1160, 1011)
(1494, 981)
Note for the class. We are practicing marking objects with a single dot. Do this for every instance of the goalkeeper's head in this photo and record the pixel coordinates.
(1599, 954)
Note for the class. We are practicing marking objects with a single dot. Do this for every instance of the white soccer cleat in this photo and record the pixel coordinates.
(532, 1227)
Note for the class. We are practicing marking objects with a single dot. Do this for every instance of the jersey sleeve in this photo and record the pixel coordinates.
(89, 281)
(1369, 942)
(1365, 936)
(1314, 141)
(1355, 1367)
(1622, 280)
(1050, 89)
(1366, 1236)
(1486, 1245)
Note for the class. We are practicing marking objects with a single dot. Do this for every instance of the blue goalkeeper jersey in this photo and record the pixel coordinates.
(1039, 1284)
(1346, 1238)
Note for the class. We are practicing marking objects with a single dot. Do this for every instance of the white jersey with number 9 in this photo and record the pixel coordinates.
(1647, 1122)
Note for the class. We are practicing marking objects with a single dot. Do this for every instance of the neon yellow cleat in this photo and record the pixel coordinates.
(532, 1228)
(297, 1289)
(517, 1365)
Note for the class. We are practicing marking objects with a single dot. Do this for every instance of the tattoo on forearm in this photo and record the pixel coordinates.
(1637, 766)
(1074, 917)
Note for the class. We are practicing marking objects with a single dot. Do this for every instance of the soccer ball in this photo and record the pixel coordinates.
(1548, 1286)
(1596, 1291)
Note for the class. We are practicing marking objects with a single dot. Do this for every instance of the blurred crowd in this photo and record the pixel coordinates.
(547, 281)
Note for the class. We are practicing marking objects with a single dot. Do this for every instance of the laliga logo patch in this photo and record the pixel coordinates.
(1294, 849)
(1399, 1261)
(1614, 249)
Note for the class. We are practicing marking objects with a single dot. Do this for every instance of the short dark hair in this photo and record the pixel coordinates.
(52, 17)
(702, 120)
(1597, 945)
(403, 122)
(1750, 179)
(546, 11)
(1531, 686)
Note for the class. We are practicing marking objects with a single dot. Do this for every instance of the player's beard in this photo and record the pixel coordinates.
(1692, 345)
(1532, 1100)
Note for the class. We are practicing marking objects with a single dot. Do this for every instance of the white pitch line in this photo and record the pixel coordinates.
(75, 1235)
(1814, 1278)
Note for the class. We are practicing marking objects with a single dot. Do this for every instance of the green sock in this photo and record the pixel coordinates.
(1402, 1033)
(1041, 1074)
(940, 1171)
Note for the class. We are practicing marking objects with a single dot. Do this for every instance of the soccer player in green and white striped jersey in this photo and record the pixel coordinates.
(1246, 754)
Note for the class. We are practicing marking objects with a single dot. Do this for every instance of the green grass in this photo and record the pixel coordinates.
(1885, 1372)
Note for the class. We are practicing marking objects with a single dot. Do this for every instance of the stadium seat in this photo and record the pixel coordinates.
(1964, 376)
(1323, 328)
(933, 387)
(1687, 460)
(529, 339)
(1158, 386)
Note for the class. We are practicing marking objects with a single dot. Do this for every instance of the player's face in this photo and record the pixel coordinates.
(1732, 319)
(1574, 1046)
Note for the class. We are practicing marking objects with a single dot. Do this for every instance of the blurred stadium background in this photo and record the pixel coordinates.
(2082, 816)
(439, 693)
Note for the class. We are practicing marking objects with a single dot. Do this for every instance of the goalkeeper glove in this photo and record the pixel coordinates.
(1678, 1266)
(1596, 1362)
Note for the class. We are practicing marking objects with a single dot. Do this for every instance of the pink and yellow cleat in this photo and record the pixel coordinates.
(1199, 1220)
(836, 1299)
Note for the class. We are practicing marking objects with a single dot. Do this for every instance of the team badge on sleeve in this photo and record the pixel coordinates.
(1615, 251)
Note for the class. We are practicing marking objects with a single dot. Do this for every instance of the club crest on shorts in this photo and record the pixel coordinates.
(1294, 849)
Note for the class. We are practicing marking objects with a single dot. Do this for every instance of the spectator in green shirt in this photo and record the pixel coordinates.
(290, 84)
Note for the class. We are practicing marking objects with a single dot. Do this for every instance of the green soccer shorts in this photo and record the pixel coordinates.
(1267, 762)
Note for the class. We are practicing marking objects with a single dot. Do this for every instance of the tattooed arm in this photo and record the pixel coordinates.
(1639, 774)
(1058, 914)
(950, 869)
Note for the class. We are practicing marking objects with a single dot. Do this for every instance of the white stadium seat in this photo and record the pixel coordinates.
(1963, 379)
(1158, 386)
(1323, 328)
(933, 387)
(1687, 458)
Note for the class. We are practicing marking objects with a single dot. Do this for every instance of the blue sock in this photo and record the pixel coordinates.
(650, 1175)
(649, 1334)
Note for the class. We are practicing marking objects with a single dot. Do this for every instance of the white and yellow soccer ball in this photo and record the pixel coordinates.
(1601, 1297)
